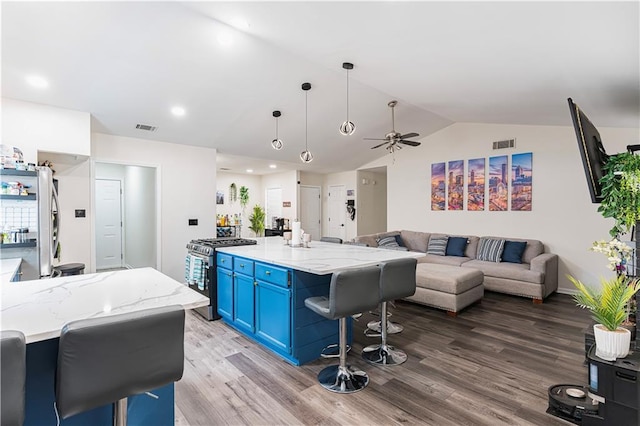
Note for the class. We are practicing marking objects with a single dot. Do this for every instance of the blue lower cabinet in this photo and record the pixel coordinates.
(273, 316)
(244, 302)
(225, 293)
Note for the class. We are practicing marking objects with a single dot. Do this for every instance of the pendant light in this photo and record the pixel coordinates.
(347, 128)
(306, 155)
(277, 142)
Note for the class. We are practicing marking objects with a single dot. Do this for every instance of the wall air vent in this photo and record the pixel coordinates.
(507, 143)
(146, 127)
(224, 169)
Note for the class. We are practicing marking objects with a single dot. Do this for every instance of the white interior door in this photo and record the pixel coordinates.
(108, 224)
(273, 205)
(311, 211)
(337, 211)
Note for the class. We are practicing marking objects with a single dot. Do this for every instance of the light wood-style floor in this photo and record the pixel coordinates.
(491, 365)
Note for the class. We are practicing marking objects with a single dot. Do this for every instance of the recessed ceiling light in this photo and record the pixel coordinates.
(178, 111)
(272, 166)
(37, 81)
(249, 170)
(240, 23)
(225, 38)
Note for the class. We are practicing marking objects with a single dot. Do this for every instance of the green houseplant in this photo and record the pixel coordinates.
(257, 220)
(608, 308)
(233, 193)
(244, 197)
(621, 192)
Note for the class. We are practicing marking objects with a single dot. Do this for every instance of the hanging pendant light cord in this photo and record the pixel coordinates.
(347, 95)
(306, 121)
(276, 127)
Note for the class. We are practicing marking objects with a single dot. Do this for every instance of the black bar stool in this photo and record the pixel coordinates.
(397, 280)
(104, 360)
(13, 352)
(352, 291)
(68, 269)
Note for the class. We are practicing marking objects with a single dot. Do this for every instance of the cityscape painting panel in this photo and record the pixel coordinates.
(437, 186)
(475, 185)
(521, 178)
(498, 183)
(456, 185)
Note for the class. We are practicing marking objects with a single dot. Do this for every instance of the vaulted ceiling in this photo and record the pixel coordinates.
(129, 63)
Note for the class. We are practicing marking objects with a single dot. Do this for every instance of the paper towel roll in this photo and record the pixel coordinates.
(296, 234)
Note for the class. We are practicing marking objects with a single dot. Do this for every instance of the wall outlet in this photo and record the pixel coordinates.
(193, 222)
(81, 213)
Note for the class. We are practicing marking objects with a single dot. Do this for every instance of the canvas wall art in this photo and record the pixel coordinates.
(476, 184)
(521, 181)
(498, 183)
(219, 197)
(437, 186)
(455, 185)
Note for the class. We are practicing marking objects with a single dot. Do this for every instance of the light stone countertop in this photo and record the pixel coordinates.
(8, 268)
(40, 308)
(320, 258)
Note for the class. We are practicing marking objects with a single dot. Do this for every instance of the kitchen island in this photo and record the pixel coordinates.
(40, 308)
(262, 288)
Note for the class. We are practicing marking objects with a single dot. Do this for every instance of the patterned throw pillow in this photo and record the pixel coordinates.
(490, 249)
(387, 242)
(437, 245)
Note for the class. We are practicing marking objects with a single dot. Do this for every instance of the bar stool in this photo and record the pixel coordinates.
(397, 280)
(13, 352)
(351, 291)
(104, 360)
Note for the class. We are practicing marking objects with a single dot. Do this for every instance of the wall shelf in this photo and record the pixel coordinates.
(30, 243)
(17, 197)
(14, 172)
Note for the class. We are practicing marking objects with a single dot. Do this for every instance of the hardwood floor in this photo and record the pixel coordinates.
(491, 365)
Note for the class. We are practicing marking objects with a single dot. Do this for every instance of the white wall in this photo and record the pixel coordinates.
(562, 216)
(34, 127)
(187, 189)
(349, 180)
(371, 206)
(288, 181)
(256, 196)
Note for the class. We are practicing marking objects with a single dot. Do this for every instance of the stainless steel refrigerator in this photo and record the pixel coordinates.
(31, 221)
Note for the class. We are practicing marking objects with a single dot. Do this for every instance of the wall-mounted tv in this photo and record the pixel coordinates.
(593, 154)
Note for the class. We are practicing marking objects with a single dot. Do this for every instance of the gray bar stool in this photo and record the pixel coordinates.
(397, 280)
(104, 360)
(351, 291)
(13, 352)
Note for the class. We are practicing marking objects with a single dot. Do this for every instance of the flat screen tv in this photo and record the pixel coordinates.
(593, 154)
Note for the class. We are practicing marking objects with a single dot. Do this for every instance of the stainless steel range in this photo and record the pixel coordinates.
(205, 250)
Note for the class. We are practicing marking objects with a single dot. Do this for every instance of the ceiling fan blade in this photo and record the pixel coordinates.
(409, 135)
(373, 139)
(411, 143)
(378, 146)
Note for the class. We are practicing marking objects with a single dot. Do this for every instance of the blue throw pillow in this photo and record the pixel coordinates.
(399, 241)
(456, 246)
(513, 250)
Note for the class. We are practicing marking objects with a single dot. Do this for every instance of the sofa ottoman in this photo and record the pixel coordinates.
(447, 287)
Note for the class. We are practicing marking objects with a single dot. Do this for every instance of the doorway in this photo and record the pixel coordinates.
(311, 211)
(337, 208)
(138, 216)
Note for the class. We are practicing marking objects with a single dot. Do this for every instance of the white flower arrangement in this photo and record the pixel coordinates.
(617, 252)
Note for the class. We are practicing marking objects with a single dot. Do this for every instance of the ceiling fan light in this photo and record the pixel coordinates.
(347, 128)
(277, 144)
(306, 156)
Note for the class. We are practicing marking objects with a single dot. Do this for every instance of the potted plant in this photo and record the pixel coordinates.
(257, 220)
(244, 197)
(608, 308)
(233, 193)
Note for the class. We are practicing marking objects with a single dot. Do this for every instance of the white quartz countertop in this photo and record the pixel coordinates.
(320, 258)
(40, 308)
(8, 268)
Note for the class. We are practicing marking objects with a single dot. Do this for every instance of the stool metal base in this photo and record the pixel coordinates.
(373, 327)
(383, 355)
(332, 351)
(342, 379)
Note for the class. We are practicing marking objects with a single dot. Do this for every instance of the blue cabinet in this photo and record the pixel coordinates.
(273, 316)
(225, 293)
(243, 302)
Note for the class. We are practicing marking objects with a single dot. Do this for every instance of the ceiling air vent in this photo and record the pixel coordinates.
(146, 127)
(508, 143)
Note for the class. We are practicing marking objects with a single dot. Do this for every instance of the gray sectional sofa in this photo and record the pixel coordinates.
(536, 277)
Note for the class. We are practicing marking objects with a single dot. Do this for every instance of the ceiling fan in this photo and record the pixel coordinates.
(393, 139)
